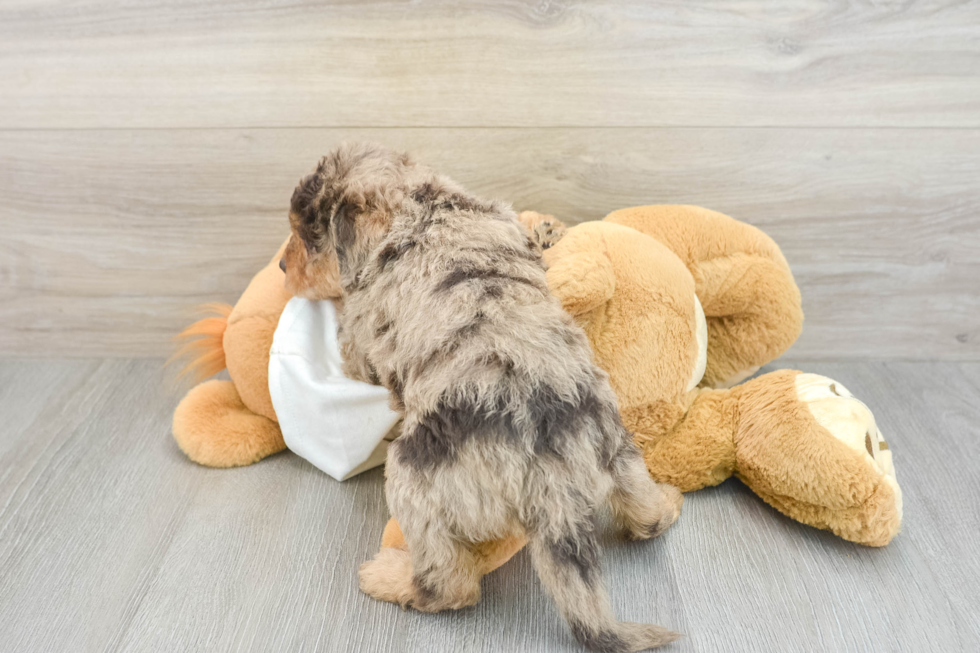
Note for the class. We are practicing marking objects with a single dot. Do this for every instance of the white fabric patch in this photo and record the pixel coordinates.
(701, 333)
(337, 424)
(849, 420)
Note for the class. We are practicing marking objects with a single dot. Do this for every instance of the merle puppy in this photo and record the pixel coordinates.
(509, 427)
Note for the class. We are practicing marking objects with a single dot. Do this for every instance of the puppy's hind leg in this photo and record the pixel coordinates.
(388, 577)
(445, 574)
(435, 573)
(643, 507)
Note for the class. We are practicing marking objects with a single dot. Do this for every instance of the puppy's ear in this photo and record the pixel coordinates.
(349, 240)
(304, 210)
(345, 232)
(360, 223)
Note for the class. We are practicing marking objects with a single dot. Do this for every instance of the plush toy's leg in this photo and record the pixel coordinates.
(813, 451)
(214, 428)
(689, 449)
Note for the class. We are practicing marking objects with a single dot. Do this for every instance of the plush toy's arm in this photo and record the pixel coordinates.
(748, 293)
(753, 310)
(582, 281)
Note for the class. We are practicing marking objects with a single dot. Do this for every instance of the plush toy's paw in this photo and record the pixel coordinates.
(388, 577)
(581, 281)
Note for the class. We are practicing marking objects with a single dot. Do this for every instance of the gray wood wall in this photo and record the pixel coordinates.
(148, 152)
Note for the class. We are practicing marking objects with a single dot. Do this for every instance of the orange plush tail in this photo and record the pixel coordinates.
(203, 343)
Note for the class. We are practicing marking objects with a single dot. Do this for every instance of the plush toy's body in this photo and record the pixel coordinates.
(679, 303)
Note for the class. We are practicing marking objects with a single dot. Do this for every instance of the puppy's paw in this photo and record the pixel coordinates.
(544, 230)
(454, 597)
(673, 499)
(388, 577)
(653, 517)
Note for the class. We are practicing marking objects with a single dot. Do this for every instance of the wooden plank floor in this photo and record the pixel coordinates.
(110, 540)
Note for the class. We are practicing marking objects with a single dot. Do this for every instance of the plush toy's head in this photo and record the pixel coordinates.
(342, 211)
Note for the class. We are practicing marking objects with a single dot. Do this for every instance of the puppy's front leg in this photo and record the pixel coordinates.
(354, 362)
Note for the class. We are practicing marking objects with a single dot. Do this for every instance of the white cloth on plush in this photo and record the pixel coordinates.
(338, 424)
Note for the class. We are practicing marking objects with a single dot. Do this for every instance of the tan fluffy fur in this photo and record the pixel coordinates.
(213, 427)
(632, 294)
(750, 299)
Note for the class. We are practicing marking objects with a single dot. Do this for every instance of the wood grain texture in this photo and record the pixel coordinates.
(109, 63)
(111, 237)
(110, 540)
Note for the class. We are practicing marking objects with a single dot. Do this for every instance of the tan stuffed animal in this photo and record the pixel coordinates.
(646, 300)
(679, 303)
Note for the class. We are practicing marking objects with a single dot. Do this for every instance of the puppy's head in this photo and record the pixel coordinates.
(340, 213)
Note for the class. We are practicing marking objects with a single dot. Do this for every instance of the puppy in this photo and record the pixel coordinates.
(509, 427)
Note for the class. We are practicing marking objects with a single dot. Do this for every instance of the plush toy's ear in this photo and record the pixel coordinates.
(582, 281)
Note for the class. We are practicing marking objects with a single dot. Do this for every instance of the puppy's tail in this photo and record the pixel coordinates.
(203, 344)
(568, 566)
